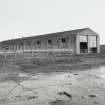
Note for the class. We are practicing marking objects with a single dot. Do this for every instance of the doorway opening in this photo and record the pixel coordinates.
(93, 50)
(83, 47)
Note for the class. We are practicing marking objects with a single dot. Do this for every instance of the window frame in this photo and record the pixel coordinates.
(63, 40)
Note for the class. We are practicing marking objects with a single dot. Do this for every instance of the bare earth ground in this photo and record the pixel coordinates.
(62, 80)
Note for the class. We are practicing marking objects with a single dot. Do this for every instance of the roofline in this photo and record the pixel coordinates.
(45, 35)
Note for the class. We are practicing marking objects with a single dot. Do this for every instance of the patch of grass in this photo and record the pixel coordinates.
(64, 63)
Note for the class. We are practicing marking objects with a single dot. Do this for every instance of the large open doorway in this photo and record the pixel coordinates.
(83, 47)
(83, 44)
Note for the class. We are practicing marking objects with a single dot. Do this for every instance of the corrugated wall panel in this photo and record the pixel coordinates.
(93, 42)
(83, 38)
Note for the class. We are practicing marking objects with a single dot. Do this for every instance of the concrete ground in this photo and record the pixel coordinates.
(78, 88)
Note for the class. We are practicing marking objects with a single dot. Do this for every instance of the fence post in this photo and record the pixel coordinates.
(15, 54)
(5, 55)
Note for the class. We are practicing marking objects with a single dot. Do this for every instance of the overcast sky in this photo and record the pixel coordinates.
(33, 17)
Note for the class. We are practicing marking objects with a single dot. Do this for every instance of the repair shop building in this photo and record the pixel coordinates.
(80, 41)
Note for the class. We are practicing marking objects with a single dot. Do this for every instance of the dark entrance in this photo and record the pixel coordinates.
(93, 50)
(83, 47)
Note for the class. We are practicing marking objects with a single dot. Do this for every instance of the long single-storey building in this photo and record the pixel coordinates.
(78, 41)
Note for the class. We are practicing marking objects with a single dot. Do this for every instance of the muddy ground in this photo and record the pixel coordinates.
(63, 80)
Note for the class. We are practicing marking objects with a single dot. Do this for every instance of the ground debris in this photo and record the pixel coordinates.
(66, 94)
(75, 74)
(32, 97)
(59, 102)
(92, 95)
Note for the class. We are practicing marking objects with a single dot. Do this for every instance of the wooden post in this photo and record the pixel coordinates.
(32, 49)
(46, 49)
(98, 43)
(78, 44)
(23, 49)
(5, 55)
(14, 53)
(88, 41)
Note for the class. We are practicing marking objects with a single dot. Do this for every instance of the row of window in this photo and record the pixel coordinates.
(28, 44)
(63, 40)
(50, 41)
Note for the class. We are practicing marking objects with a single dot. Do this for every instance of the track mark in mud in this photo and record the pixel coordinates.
(68, 76)
(10, 92)
(92, 96)
(66, 94)
(28, 89)
(82, 97)
(58, 102)
(96, 103)
(18, 96)
(75, 74)
(32, 97)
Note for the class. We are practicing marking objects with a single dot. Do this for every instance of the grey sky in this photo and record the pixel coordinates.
(33, 17)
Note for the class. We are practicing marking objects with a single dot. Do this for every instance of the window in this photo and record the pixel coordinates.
(21, 43)
(7, 47)
(63, 40)
(38, 42)
(49, 41)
